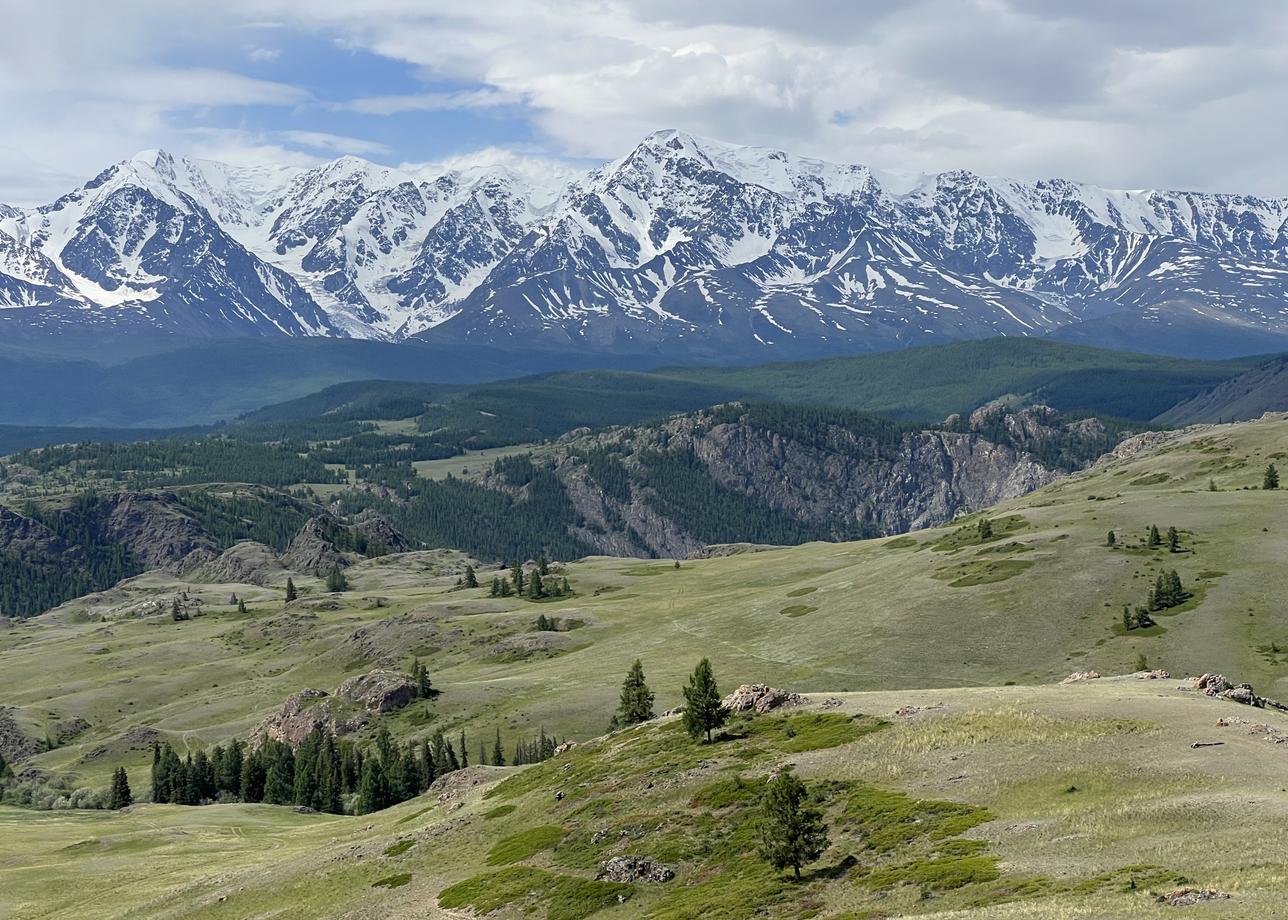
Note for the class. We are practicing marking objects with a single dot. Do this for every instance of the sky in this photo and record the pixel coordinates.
(1124, 93)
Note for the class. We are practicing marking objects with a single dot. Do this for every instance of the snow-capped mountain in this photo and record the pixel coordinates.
(684, 244)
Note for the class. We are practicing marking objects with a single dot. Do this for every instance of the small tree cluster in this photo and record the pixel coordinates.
(120, 795)
(1137, 618)
(336, 581)
(1167, 592)
(534, 585)
(322, 773)
(536, 750)
(420, 677)
(546, 624)
(985, 529)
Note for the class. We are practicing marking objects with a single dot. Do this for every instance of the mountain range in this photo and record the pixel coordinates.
(685, 246)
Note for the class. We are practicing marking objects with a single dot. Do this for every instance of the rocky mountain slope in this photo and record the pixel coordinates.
(765, 474)
(684, 245)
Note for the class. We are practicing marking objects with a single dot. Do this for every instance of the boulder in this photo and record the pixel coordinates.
(303, 712)
(634, 869)
(1077, 676)
(1212, 684)
(379, 691)
(1187, 897)
(760, 698)
(1156, 674)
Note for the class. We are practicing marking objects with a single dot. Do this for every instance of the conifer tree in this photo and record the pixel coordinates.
(543, 567)
(1154, 538)
(507, 590)
(373, 788)
(567, 588)
(1128, 622)
(703, 711)
(636, 700)
(279, 784)
(985, 529)
(120, 796)
(495, 590)
(1111, 539)
(516, 579)
(792, 832)
(1271, 478)
(1173, 540)
(427, 771)
(465, 757)
(336, 582)
(291, 593)
(241, 606)
(471, 578)
(498, 755)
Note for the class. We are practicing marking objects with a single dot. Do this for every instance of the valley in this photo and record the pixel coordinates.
(1037, 598)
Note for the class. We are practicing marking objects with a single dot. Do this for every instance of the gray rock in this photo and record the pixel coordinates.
(634, 869)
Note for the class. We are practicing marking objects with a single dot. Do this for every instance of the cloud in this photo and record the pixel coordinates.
(336, 143)
(1184, 93)
(426, 102)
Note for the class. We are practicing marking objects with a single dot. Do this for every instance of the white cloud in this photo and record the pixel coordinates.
(1182, 94)
(335, 143)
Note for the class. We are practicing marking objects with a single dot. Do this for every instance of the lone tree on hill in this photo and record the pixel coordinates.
(1112, 539)
(120, 797)
(336, 581)
(498, 753)
(291, 593)
(985, 529)
(792, 832)
(1271, 479)
(703, 711)
(1154, 538)
(636, 703)
(1173, 540)
(471, 579)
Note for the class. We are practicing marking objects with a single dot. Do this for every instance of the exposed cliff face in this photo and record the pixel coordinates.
(836, 478)
(154, 528)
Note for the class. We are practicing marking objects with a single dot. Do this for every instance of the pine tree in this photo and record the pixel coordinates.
(420, 677)
(291, 593)
(373, 788)
(279, 784)
(1128, 622)
(1173, 540)
(703, 711)
(241, 607)
(636, 700)
(985, 529)
(1154, 538)
(536, 586)
(471, 579)
(792, 832)
(507, 590)
(427, 772)
(567, 588)
(1271, 478)
(498, 755)
(516, 579)
(336, 582)
(495, 590)
(465, 757)
(120, 796)
(1212, 485)
(1111, 539)
(543, 567)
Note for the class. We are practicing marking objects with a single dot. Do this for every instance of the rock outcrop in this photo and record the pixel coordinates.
(355, 702)
(246, 563)
(379, 535)
(313, 551)
(305, 711)
(634, 869)
(760, 698)
(379, 691)
(154, 527)
(16, 745)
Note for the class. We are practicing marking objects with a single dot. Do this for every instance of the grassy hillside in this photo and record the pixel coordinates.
(1081, 783)
(1080, 801)
(1042, 598)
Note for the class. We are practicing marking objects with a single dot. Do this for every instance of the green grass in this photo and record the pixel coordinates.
(562, 897)
(523, 845)
(393, 881)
